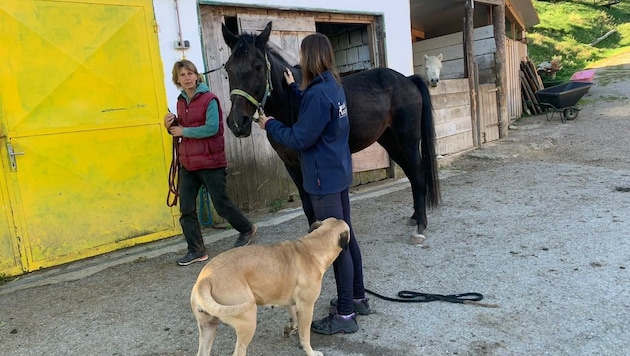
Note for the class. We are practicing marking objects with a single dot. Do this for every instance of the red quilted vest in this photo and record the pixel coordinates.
(200, 153)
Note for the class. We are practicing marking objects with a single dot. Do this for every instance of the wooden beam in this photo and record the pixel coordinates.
(491, 2)
(417, 34)
(501, 71)
(514, 16)
(469, 56)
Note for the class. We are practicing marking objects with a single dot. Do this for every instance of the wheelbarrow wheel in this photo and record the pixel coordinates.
(571, 113)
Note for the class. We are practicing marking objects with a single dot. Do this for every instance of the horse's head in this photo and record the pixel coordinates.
(433, 66)
(248, 74)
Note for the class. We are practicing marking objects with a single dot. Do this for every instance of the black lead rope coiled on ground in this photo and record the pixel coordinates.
(417, 297)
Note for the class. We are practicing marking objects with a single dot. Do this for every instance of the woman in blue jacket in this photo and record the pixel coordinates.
(321, 135)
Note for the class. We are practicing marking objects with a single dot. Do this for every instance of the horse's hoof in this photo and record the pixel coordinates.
(416, 238)
(412, 222)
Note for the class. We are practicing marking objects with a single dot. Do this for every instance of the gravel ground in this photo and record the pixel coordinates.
(537, 222)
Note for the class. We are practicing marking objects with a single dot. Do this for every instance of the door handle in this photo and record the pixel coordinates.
(12, 155)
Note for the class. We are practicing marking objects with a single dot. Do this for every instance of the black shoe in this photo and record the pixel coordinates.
(246, 238)
(191, 258)
(336, 323)
(361, 306)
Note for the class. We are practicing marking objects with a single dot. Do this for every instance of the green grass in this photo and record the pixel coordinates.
(567, 28)
(6, 280)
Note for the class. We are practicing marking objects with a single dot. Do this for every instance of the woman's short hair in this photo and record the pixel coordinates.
(185, 63)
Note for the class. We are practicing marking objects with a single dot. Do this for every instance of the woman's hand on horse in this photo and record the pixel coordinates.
(288, 76)
(262, 120)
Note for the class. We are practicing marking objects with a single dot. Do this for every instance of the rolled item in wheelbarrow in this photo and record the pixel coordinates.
(563, 95)
(584, 76)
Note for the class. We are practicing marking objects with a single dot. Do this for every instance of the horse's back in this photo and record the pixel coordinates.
(375, 99)
(376, 77)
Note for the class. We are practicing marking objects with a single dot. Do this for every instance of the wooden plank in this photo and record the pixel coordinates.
(256, 23)
(438, 42)
(449, 100)
(453, 127)
(448, 53)
(484, 32)
(535, 106)
(446, 115)
(487, 76)
(370, 158)
(488, 116)
(491, 2)
(450, 86)
(484, 46)
(513, 61)
(485, 61)
(453, 57)
(417, 34)
(366, 177)
(455, 144)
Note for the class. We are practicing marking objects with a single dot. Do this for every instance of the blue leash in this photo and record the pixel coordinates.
(204, 213)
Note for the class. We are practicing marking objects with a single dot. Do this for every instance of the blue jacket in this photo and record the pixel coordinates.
(321, 135)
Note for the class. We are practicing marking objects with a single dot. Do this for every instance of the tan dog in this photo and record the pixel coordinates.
(231, 286)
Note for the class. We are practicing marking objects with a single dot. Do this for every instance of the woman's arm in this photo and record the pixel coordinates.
(210, 128)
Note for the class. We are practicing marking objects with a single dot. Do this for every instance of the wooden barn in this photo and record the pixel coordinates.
(86, 84)
(482, 44)
(470, 108)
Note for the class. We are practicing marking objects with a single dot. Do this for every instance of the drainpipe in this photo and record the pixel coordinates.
(180, 44)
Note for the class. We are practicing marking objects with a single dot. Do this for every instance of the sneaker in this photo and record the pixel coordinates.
(246, 238)
(336, 323)
(361, 306)
(191, 258)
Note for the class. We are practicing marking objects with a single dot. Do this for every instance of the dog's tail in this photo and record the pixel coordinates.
(206, 303)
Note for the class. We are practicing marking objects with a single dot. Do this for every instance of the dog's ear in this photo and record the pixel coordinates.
(314, 226)
(344, 239)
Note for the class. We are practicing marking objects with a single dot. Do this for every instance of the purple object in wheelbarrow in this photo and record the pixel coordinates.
(562, 98)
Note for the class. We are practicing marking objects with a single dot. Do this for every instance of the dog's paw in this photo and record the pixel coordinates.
(290, 328)
(317, 353)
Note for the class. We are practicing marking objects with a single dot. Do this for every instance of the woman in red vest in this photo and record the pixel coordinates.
(198, 128)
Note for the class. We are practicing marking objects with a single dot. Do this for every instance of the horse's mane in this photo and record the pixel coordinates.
(245, 39)
(241, 46)
(284, 55)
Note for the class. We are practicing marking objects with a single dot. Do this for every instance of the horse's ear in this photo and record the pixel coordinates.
(262, 39)
(229, 38)
(440, 57)
(426, 57)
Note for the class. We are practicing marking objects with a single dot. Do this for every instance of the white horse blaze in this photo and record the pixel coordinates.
(432, 67)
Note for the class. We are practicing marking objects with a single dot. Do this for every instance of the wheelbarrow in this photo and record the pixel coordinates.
(563, 98)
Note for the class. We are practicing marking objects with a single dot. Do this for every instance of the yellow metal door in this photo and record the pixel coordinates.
(82, 98)
(10, 263)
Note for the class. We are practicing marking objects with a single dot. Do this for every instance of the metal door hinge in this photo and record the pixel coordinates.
(12, 155)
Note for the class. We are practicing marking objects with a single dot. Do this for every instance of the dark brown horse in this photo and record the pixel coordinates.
(383, 106)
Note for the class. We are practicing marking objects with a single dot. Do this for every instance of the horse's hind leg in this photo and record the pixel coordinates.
(405, 151)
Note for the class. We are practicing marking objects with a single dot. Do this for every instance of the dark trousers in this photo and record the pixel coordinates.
(215, 181)
(348, 267)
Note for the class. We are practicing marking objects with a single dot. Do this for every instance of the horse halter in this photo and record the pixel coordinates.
(268, 88)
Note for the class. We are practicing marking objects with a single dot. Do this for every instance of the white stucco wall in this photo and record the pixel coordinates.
(395, 14)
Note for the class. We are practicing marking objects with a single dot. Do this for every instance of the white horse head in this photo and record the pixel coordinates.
(433, 66)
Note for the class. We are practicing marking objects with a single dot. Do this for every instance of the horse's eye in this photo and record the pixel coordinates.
(258, 67)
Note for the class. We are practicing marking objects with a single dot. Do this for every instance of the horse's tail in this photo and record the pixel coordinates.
(427, 144)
